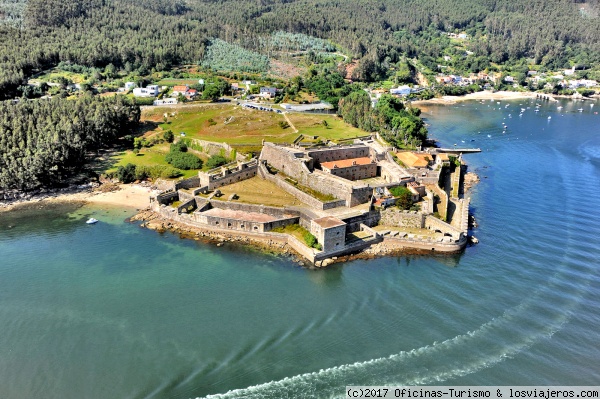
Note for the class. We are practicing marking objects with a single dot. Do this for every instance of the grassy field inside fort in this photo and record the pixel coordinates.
(260, 192)
(244, 127)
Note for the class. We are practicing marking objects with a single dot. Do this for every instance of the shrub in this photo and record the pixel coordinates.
(126, 174)
(168, 136)
(404, 197)
(183, 160)
(216, 161)
(180, 146)
(310, 240)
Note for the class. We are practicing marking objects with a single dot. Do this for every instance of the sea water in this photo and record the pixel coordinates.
(113, 310)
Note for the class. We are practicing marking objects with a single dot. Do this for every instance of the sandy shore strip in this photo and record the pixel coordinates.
(134, 196)
(480, 95)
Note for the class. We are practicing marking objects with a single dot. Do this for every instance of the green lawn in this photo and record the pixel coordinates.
(146, 157)
(222, 123)
(234, 125)
(175, 82)
(312, 125)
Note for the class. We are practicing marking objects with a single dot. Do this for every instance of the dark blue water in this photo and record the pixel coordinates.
(117, 311)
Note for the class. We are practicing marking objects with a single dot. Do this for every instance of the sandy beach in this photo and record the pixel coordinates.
(133, 196)
(480, 95)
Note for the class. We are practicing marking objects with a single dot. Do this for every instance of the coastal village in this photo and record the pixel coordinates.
(342, 200)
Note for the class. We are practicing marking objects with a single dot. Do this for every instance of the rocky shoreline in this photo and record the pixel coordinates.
(153, 221)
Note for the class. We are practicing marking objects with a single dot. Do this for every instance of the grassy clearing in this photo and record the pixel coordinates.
(312, 125)
(146, 157)
(54, 74)
(237, 126)
(259, 191)
(222, 123)
(175, 82)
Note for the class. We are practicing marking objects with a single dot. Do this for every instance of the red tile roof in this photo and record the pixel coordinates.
(346, 163)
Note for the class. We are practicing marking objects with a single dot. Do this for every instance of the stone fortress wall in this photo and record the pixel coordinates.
(302, 166)
(228, 174)
(297, 165)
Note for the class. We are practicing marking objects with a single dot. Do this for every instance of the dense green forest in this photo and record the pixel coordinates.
(398, 124)
(42, 143)
(155, 34)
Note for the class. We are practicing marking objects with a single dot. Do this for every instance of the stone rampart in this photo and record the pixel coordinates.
(267, 210)
(164, 185)
(433, 223)
(227, 175)
(167, 197)
(214, 148)
(353, 223)
(426, 245)
(192, 182)
(396, 217)
(185, 196)
(188, 206)
(338, 153)
(464, 217)
(300, 195)
(356, 246)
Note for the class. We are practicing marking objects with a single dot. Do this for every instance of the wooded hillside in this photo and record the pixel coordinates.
(155, 34)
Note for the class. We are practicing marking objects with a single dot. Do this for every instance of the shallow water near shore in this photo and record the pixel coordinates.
(113, 310)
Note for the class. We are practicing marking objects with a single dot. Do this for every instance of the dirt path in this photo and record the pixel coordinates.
(290, 122)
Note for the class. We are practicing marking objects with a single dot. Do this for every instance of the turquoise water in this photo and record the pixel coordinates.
(116, 311)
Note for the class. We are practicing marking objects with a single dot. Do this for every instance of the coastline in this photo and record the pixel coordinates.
(480, 95)
(131, 196)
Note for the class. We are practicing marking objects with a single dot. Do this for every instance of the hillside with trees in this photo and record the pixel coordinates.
(154, 35)
(43, 143)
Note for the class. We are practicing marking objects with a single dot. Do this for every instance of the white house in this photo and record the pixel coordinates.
(402, 90)
(129, 85)
(268, 92)
(149, 91)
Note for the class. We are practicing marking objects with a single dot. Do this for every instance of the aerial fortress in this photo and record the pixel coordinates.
(346, 199)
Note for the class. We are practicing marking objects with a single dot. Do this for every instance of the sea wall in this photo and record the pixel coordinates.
(433, 223)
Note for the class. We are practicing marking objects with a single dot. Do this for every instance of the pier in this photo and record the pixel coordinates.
(459, 150)
(546, 97)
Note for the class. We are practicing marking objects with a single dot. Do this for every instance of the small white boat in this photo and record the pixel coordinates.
(559, 107)
(92, 221)
(580, 110)
(549, 117)
(489, 135)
